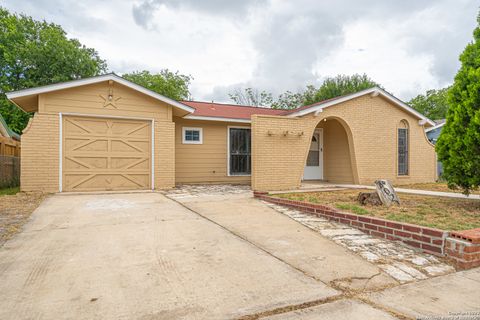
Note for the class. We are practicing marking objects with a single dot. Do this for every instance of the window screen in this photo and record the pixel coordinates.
(240, 151)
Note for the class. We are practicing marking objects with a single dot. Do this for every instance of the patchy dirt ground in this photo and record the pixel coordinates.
(15, 211)
(429, 211)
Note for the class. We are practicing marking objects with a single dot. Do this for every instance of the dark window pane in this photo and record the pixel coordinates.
(192, 135)
(402, 151)
(240, 151)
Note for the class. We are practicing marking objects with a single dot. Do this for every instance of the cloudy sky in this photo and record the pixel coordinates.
(408, 46)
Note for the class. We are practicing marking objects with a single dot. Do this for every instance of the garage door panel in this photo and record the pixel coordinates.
(106, 154)
(73, 144)
(130, 163)
(132, 129)
(89, 126)
(100, 182)
(86, 163)
(130, 146)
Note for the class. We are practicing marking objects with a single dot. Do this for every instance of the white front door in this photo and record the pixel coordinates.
(314, 166)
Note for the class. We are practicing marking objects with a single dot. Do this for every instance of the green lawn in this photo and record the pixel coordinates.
(9, 191)
(436, 212)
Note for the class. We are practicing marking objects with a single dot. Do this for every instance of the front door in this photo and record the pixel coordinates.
(314, 166)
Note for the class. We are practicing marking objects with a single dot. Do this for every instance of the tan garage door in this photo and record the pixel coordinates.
(106, 154)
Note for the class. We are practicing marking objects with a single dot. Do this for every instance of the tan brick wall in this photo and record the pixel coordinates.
(39, 161)
(370, 124)
(40, 142)
(164, 154)
(278, 157)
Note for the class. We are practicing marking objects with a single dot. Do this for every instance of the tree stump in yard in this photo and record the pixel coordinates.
(370, 198)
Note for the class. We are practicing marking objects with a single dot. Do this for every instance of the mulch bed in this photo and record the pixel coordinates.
(15, 211)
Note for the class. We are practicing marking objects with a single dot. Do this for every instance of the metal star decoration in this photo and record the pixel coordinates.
(110, 100)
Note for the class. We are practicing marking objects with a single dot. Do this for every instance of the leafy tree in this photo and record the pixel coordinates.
(251, 97)
(167, 83)
(433, 104)
(35, 53)
(290, 100)
(458, 146)
(340, 85)
(330, 88)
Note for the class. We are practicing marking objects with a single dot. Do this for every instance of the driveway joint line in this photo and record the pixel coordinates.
(344, 294)
(247, 240)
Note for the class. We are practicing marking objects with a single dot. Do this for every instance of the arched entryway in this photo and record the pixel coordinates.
(331, 155)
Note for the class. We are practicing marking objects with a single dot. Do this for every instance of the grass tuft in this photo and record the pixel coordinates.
(9, 191)
(352, 207)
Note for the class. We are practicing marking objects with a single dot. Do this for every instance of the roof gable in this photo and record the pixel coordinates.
(375, 91)
(17, 96)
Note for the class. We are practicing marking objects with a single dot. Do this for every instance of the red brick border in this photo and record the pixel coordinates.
(463, 247)
(426, 239)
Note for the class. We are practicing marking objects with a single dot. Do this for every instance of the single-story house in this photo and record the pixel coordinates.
(432, 134)
(107, 133)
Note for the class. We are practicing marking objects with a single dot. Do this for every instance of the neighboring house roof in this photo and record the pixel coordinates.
(6, 131)
(86, 81)
(226, 112)
(375, 91)
(438, 124)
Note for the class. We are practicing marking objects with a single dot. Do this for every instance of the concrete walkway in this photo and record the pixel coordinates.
(311, 187)
(454, 293)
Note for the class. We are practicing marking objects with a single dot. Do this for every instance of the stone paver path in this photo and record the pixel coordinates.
(398, 260)
(199, 190)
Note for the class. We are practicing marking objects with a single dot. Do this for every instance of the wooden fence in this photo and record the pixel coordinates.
(9, 171)
(9, 147)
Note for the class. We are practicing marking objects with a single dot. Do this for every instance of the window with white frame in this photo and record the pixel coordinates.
(192, 135)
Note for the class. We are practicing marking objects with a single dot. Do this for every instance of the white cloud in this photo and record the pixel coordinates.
(408, 46)
(377, 50)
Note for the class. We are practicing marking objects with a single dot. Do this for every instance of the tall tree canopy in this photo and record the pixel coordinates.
(34, 53)
(458, 146)
(433, 104)
(330, 88)
(340, 85)
(167, 83)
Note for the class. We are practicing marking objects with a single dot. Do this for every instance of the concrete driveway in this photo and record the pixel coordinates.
(139, 256)
(194, 256)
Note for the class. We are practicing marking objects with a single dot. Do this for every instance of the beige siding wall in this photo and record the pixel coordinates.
(371, 128)
(88, 100)
(206, 162)
(40, 154)
(337, 166)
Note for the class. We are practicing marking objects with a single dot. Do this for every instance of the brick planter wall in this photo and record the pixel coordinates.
(464, 248)
(426, 239)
